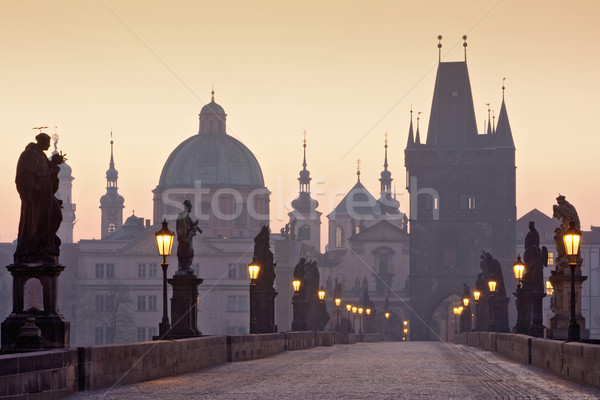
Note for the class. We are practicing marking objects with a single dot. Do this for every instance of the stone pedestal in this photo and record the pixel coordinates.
(265, 310)
(465, 319)
(559, 323)
(184, 306)
(499, 314)
(300, 322)
(35, 295)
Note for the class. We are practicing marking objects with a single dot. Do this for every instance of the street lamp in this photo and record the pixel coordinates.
(337, 301)
(360, 313)
(164, 241)
(253, 270)
(354, 310)
(455, 310)
(321, 294)
(296, 285)
(349, 309)
(571, 239)
(476, 295)
(518, 269)
(492, 285)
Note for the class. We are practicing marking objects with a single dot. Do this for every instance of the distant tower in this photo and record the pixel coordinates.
(462, 198)
(65, 232)
(111, 203)
(308, 219)
(388, 204)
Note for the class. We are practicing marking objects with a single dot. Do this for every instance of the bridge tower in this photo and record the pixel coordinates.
(462, 198)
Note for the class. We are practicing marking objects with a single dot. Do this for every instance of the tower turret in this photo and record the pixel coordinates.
(111, 204)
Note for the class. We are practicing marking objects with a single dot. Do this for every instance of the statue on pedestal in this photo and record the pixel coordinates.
(186, 230)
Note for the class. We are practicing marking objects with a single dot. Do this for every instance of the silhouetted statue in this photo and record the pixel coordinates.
(264, 256)
(567, 214)
(535, 260)
(37, 182)
(494, 271)
(466, 294)
(186, 230)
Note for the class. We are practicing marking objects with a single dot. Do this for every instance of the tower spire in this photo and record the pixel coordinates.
(358, 169)
(418, 136)
(304, 178)
(212, 93)
(489, 126)
(465, 46)
(439, 48)
(386, 176)
(411, 139)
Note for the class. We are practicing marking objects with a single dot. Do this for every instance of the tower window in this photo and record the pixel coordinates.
(339, 237)
(471, 203)
(112, 227)
(550, 258)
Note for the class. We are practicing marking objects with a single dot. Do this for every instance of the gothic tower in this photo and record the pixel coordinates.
(462, 198)
(111, 204)
(305, 217)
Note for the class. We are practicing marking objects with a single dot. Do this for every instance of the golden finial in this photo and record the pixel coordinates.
(503, 87)
(386, 139)
(212, 93)
(465, 45)
(304, 134)
(358, 169)
(439, 48)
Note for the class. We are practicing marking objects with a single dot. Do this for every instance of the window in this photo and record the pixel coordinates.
(141, 303)
(152, 270)
(141, 270)
(232, 271)
(471, 203)
(112, 227)
(242, 271)
(110, 271)
(100, 271)
(339, 239)
(99, 303)
(550, 258)
(243, 303)
(231, 303)
(152, 302)
(141, 334)
(99, 335)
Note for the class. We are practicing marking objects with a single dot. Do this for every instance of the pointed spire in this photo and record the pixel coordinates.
(418, 137)
(465, 46)
(112, 159)
(358, 170)
(212, 93)
(304, 178)
(411, 140)
(386, 176)
(439, 48)
(489, 124)
(503, 134)
(493, 122)
(385, 163)
(111, 174)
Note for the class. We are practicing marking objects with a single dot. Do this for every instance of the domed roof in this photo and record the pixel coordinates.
(112, 174)
(65, 171)
(212, 108)
(214, 159)
(112, 199)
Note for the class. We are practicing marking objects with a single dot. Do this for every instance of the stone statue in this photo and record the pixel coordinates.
(494, 271)
(535, 259)
(41, 215)
(186, 230)
(466, 294)
(264, 257)
(567, 214)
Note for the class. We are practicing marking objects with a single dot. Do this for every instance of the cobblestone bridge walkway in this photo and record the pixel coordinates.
(385, 370)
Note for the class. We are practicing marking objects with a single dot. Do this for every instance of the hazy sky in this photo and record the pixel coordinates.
(344, 71)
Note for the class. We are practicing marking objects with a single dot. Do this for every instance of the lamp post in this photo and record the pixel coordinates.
(354, 310)
(385, 323)
(360, 313)
(253, 270)
(571, 239)
(405, 323)
(465, 317)
(492, 286)
(455, 310)
(349, 309)
(519, 269)
(337, 301)
(368, 327)
(164, 241)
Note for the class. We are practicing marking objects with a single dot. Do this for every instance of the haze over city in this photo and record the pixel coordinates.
(344, 71)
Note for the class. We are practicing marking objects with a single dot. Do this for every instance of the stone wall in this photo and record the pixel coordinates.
(52, 373)
(60, 373)
(579, 362)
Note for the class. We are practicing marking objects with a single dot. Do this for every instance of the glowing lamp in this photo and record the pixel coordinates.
(492, 286)
(164, 240)
(519, 268)
(337, 302)
(253, 270)
(321, 294)
(476, 295)
(571, 238)
(296, 285)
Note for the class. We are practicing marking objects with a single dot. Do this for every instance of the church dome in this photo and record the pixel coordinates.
(214, 159)
(212, 108)
(65, 171)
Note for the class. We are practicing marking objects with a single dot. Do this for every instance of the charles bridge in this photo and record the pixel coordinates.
(309, 364)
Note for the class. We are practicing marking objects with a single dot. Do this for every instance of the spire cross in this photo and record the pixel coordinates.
(385, 163)
(386, 139)
(358, 169)
(212, 93)
(40, 128)
(465, 45)
(503, 87)
(418, 118)
(304, 145)
(439, 48)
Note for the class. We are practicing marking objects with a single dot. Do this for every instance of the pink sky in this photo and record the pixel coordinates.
(344, 71)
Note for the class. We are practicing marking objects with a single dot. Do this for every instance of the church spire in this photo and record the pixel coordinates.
(304, 178)
(386, 176)
(411, 140)
(489, 124)
(358, 170)
(111, 204)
